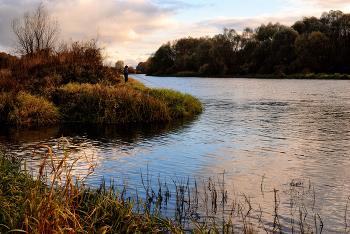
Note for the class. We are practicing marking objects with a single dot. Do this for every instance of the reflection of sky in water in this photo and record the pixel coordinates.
(261, 133)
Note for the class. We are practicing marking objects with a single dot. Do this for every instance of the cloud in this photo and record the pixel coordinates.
(119, 21)
(178, 5)
(324, 4)
(10, 9)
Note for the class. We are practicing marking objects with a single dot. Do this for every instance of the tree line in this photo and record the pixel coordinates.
(310, 45)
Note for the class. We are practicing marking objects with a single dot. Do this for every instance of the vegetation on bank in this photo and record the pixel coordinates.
(69, 82)
(51, 88)
(309, 47)
(76, 92)
(54, 206)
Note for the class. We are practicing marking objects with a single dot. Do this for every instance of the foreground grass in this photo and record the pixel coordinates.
(54, 206)
(57, 202)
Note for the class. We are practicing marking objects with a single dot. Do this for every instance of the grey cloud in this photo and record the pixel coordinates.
(10, 9)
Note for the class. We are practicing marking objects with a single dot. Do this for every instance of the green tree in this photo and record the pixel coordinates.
(266, 32)
(163, 59)
(282, 45)
(312, 51)
(141, 68)
(183, 50)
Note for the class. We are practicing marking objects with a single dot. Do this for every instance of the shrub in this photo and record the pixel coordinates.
(30, 110)
(105, 104)
(6, 104)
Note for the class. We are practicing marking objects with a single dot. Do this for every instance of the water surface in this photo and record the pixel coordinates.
(254, 136)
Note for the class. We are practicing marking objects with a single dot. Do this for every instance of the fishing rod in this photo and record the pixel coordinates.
(146, 80)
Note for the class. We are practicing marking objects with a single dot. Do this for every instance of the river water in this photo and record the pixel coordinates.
(273, 145)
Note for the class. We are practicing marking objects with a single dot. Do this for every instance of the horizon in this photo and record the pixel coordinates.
(133, 30)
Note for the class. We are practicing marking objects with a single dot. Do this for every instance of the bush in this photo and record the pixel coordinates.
(105, 104)
(30, 110)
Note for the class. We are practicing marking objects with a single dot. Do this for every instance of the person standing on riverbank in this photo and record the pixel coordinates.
(126, 73)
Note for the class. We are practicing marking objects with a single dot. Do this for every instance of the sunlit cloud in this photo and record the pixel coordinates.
(324, 4)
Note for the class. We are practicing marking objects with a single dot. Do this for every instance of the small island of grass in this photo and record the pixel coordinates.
(73, 85)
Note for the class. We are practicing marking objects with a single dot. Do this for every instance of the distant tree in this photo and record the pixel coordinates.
(266, 32)
(313, 50)
(132, 70)
(299, 26)
(163, 59)
(36, 31)
(119, 65)
(183, 49)
(149, 67)
(282, 45)
(141, 68)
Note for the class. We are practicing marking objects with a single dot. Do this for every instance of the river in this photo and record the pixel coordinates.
(275, 145)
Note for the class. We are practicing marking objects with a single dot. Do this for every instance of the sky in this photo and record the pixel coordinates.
(131, 30)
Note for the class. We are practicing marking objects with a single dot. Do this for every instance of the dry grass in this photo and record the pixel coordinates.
(74, 81)
(57, 203)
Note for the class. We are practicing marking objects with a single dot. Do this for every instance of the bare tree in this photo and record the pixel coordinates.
(37, 30)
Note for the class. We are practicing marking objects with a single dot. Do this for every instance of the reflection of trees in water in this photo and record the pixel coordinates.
(26, 139)
(127, 133)
(23, 141)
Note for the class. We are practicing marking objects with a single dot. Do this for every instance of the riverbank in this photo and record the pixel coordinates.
(57, 202)
(320, 76)
(43, 206)
(74, 86)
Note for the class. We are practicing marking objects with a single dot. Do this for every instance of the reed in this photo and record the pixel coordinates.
(105, 104)
(56, 202)
(180, 105)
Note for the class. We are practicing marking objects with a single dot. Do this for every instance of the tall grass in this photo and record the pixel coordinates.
(27, 109)
(106, 104)
(180, 105)
(80, 61)
(58, 203)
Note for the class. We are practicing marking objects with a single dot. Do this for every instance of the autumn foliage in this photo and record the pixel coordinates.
(311, 45)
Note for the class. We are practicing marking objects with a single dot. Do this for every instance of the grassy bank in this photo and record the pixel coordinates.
(73, 85)
(45, 205)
